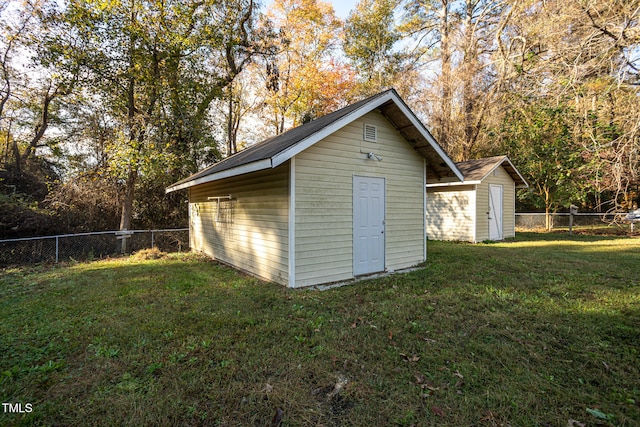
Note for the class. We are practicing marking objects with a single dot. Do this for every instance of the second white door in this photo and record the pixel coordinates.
(495, 212)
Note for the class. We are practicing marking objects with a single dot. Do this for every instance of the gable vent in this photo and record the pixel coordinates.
(370, 133)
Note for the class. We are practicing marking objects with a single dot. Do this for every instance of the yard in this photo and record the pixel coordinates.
(540, 331)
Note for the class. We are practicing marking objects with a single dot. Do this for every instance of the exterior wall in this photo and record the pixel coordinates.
(451, 213)
(324, 201)
(501, 177)
(250, 231)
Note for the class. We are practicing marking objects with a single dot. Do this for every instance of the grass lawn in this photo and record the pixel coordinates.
(541, 331)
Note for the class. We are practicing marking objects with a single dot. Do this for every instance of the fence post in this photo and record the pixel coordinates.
(573, 209)
(57, 249)
(152, 240)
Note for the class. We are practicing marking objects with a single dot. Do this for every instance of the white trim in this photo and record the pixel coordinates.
(423, 130)
(511, 164)
(514, 208)
(302, 145)
(452, 184)
(292, 223)
(307, 142)
(526, 184)
(285, 155)
(424, 209)
(249, 167)
(474, 204)
(449, 184)
(501, 205)
(354, 223)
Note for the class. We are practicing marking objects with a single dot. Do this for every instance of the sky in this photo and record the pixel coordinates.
(342, 7)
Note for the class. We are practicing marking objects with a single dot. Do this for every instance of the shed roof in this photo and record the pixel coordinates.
(474, 171)
(274, 151)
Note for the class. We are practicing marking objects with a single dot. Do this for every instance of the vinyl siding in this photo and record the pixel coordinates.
(251, 231)
(501, 177)
(324, 201)
(450, 213)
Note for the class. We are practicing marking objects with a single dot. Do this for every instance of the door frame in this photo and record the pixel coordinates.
(355, 180)
(499, 218)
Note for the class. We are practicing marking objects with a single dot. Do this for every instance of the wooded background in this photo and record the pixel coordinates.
(103, 103)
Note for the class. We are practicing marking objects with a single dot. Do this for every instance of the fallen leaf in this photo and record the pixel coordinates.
(390, 335)
(356, 322)
(420, 379)
(598, 414)
(277, 418)
(412, 358)
(437, 411)
(458, 374)
(268, 388)
(574, 423)
(488, 416)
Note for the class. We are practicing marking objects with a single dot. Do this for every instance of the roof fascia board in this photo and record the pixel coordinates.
(427, 135)
(524, 181)
(490, 171)
(249, 167)
(453, 184)
(506, 159)
(299, 147)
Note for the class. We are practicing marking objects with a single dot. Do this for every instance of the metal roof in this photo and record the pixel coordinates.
(274, 151)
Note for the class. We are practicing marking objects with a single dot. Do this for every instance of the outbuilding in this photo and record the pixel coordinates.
(336, 198)
(480, 208)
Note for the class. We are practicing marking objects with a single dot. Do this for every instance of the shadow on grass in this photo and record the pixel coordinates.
(496, 334)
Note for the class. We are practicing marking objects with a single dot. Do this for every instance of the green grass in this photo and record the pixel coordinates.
(533, 332)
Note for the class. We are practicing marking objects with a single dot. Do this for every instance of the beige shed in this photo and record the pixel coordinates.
(480, 208)
(336, 198)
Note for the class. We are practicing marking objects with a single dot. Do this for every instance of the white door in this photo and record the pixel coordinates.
(368, 225)
(495, 212)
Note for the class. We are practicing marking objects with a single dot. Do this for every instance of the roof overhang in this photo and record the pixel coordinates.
(391, 106)
(239, 170)
(453, 184)
(513, 172)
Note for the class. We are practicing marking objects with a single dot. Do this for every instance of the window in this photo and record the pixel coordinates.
(223, 208)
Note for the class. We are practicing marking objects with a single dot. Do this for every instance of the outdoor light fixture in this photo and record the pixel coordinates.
(373, 156)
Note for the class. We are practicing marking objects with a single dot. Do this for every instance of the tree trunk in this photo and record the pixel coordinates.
(445, 105)
(127, 205)
(468, 98)
(547, 209)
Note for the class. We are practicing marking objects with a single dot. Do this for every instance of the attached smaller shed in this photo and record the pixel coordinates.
(480, 208)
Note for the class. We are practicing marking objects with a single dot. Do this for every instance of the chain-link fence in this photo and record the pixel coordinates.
(537, 221)
(89, 246)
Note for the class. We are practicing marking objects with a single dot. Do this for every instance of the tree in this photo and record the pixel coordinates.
(538, 138)
(430, 24)
(578, 53)
(370, 43)
(302, 80)
(156, 66)
(453, 42)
